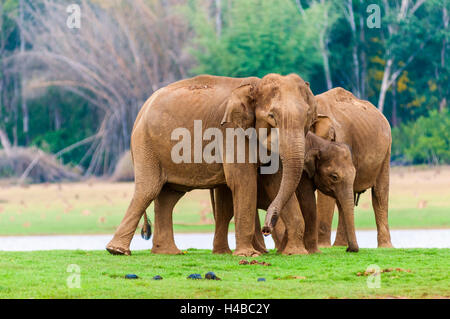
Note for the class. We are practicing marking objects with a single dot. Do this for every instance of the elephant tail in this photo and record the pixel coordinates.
(213, 202)
(146, 231)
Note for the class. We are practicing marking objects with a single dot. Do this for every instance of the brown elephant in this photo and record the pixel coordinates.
(328, 167)
(275, 101)
(344, 118)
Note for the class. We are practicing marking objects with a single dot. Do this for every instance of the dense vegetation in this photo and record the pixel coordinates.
(426, 140)
(59, 86)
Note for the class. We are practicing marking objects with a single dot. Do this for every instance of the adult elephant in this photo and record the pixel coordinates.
(328, 167)
(275, 101)
(344, 118)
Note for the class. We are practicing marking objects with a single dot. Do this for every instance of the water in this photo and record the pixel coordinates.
(416, 238)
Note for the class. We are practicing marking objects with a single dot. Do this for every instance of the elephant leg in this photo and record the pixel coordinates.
(241, 179)
(148, 184)
(307, 201)
(380, 199)
(258, 239)
(295, 228)
(325, 211)
(341, 236)
(223, 212)
(163, 239)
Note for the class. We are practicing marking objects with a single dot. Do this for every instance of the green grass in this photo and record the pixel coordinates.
(332, 274)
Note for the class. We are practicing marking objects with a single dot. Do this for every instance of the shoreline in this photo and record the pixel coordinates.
(423, 238)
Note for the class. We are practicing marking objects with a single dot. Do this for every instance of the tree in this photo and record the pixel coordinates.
(8, 83)
(425, 141)
(123, 52)
(442, 68)
(259, 37)
(405, 38)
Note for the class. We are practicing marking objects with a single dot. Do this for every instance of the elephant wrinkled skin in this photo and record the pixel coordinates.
(275, 101)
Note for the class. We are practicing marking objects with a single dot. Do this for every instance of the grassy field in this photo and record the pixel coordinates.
(419, 198)
(422, 273)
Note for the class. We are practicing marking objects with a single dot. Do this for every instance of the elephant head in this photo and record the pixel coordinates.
(331, 167)
(285, 103)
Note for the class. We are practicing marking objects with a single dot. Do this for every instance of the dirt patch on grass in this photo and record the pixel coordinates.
(254, 262)
(375, 272)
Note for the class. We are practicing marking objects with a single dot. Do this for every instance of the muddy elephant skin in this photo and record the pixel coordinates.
(275, 101)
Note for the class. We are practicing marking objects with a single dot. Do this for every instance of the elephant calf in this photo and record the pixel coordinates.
(328, 167)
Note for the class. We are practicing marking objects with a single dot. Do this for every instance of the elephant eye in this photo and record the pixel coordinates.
(271, 119)
(334, 177)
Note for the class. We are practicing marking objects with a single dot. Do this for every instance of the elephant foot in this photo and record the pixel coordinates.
(385, 245)
(311, 246)
(314, 251)
(339, 243)
(324, 244)
(118, 251)
(246, 252)
(166, 250)
(260, 247)
(294, 251)
(352, 249)
(262, 250)
(222, 251)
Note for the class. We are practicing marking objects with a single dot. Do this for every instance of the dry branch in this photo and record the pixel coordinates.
(33, 165)
(123, 52)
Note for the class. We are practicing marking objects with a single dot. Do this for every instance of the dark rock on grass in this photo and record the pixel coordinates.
(261, 279)
(194, 276)
(243, 262)
(157, 277)
(211, 276)
(131, 276)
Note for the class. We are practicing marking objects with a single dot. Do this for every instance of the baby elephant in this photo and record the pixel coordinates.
(329, 168)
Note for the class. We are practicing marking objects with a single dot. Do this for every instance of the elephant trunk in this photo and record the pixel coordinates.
(292, 153)
(346, 207)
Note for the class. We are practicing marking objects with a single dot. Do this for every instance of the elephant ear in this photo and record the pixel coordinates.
(240, 107)
(311, 159)
(323, 127)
